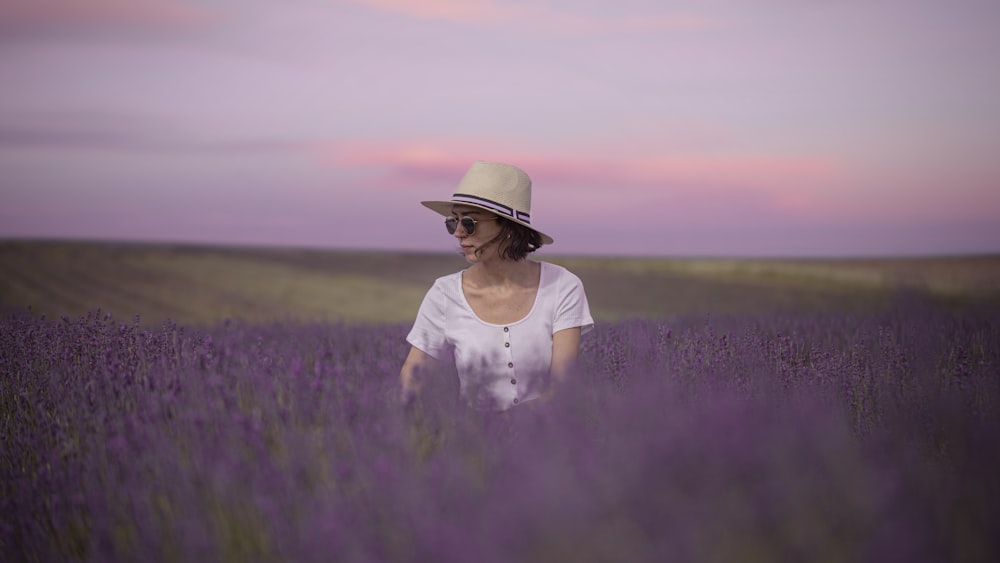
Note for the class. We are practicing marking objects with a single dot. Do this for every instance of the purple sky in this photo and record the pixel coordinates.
(713, 128)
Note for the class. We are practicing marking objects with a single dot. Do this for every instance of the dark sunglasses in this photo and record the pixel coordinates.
(468, 224)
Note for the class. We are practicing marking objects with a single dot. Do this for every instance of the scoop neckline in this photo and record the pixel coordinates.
(534, 304)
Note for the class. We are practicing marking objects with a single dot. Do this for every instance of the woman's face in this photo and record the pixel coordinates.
(486, 227)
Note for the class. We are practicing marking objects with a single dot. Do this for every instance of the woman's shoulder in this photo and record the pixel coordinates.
(444, 292)
(559, 275)
(449, 278)
(556, 269)
(448, 283)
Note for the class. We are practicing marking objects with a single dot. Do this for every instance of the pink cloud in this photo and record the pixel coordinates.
(145, 13)
(784, 183)
(450, 10)
(536, 15)
(920, 194)
(387, 154)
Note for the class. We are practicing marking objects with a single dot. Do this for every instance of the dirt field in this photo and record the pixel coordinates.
(206, 284)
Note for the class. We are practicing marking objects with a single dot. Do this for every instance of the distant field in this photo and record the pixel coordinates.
(205, 284)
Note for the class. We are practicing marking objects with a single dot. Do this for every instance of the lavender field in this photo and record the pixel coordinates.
(783, 437)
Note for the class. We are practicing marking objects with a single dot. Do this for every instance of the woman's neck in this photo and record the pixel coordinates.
(499, 273)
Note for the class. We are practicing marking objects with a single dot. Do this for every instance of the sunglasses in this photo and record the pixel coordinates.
(468, 224)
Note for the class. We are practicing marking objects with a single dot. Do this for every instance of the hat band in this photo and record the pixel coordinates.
(492, 205)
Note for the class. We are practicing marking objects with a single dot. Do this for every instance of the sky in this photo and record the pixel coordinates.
(649, 127)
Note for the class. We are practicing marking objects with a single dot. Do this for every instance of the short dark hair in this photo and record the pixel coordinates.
(516, 241)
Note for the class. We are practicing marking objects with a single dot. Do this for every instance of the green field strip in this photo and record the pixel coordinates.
(22, 289)
(300, 293)
(114, 284)
(79, 282)
(93, 281)
(183, 297)
(55, 294)
(89, 278)
(946, 275)
(420, 269)
(792, 273)
(160, 294)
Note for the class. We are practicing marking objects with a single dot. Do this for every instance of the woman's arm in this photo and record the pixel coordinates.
(565, 350)
(417, 364)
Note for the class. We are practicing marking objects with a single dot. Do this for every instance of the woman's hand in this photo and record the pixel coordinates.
(411, 375)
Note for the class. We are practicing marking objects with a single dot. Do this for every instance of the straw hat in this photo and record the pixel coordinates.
(501, 189)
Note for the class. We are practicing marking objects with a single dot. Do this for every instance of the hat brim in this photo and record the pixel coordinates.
(445, 207)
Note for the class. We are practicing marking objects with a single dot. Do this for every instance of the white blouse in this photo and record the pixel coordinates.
(500, 366)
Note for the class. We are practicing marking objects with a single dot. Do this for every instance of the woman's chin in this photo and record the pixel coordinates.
(469, 254)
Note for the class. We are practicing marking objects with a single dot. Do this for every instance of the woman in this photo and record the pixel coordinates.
(511, 325)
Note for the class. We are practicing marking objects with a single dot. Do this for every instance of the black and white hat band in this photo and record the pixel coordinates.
(492, 205)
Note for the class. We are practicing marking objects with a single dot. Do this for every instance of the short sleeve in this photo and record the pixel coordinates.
(428, 333)
(572, 310)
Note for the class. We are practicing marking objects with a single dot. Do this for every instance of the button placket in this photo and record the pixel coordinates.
(510, 361)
